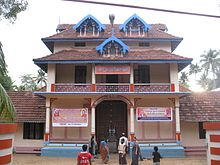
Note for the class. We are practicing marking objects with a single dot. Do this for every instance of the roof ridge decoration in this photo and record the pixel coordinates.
(112, 47)
(89, 20)
(134, 24)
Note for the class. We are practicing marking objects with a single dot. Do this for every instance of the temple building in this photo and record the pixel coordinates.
(109, 79)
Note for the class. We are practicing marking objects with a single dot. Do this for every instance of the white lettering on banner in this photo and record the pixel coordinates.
(149, 114)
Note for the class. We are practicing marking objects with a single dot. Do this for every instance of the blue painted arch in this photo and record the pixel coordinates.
(123, 27)
(100, 25)
(113, 39)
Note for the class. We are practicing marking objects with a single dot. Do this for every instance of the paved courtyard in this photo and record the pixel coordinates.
(33, 159)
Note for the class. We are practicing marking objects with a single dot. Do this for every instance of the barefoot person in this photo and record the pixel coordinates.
(84, 157)
(122, 152)
(104, 151)
(156, 156)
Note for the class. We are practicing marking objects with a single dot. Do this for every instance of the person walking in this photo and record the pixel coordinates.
(135, 152)
(92, 146)
(125, 141)
(104, 151)
(156, 156)
(84, 157)
(122, 152)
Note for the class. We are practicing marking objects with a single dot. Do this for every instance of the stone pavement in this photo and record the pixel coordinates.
(33, 159)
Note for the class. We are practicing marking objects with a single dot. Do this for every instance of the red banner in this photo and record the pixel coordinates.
(154, 114)
(70, 117)
(112, 69)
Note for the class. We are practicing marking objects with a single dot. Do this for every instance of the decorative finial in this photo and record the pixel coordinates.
(112, 17)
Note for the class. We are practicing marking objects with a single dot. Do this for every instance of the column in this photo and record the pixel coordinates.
(132, 134)
(47, 125)
(93, 121)
(177, 116)
(51, 77)
(174, 80)
(132, 78)
(93, 78)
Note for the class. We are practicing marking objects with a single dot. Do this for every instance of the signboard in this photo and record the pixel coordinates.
(70, 117)
(112, 69)
(150, 114)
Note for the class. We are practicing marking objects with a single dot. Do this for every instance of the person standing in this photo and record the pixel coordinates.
(125, 140)
(104, 151)
(92, 146)
(135, 152)
(84, 157)
(122, 152)
(156, 156)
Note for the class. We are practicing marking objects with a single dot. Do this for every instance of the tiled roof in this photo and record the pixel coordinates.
(156, 31)
(91, 54)
(200, 107)
(29, 107)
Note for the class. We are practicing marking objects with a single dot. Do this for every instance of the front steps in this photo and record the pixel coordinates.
(169, 150)
(61, 150)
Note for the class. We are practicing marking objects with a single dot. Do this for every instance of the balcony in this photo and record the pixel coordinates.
(120, 88)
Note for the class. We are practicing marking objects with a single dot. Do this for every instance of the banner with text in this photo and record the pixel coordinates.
(70, 117)
(112, 69)
(154, 114)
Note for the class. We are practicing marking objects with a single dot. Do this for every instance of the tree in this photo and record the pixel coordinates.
(41, 79)
(184, 79)
(211, 62)
(7, 112)
(28, 83)
(194, 69)
(10, 8)
(205, 82)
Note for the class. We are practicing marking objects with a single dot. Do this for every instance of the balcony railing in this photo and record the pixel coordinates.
(126, 88)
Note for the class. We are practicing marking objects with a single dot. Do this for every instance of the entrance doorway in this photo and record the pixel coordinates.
(111, 120)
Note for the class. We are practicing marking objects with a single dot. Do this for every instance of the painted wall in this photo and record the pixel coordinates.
(71, 133)
(155, 130)
(20, 142)
(190, 134)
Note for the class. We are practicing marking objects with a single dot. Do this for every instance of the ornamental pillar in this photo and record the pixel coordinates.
(93, 78)
(93, 120)
(132, 134)
(177, 116)
(47, 125)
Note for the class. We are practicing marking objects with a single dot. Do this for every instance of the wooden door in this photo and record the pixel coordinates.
(111, 115)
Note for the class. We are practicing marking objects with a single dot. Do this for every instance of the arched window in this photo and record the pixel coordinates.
(89, 25)
(134, 26)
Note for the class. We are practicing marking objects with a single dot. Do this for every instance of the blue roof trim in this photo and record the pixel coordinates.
(112, 39)
(123, 26)
(101, 26)
(52, 93)
(112, 61)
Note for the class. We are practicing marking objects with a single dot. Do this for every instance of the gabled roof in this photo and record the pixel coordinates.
(200, 107)
(133, 56)
(156, 33)
(100, 25)
(29, 107)
(112, 39)
(135, 16)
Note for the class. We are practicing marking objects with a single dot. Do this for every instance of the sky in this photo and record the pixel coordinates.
(22, 40)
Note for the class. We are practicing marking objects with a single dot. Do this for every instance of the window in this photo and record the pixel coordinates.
(80, 74)
(202, 131)
(80, 44)
(33, 131)
(144, 44)
(142, 74)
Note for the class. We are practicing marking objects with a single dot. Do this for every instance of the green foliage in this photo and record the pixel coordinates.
(10, 8)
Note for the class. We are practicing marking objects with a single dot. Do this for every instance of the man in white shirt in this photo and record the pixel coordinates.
(125, 140)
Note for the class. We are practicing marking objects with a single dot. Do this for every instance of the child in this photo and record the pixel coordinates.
(156, 156)
(84, 157)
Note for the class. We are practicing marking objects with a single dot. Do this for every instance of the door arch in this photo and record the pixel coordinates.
(111, 114)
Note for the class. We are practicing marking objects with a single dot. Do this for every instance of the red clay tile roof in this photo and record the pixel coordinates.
(200, 107)
(91, 54)
(156, 31)
(29, 107)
